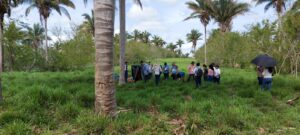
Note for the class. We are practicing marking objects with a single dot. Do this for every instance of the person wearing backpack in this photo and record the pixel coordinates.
(198, 75)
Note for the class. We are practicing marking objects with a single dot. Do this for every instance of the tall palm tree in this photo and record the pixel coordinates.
(89, 21)
(200, 11)
(172, 47)
(145, 36)
(157, 41)
(136, 35)
(279, 6)
(224, 11)
(105, 101)
(179, 43)
(35, 36)
(123, 38)
(45, 8)
(193, 37)
(5, 8)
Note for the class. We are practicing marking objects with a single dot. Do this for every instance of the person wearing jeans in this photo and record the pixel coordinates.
(166, 71)
(157, 70)
(267, 81)
(198, 72)
(191, 71)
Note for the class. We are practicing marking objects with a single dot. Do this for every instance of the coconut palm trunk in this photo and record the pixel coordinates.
(205, 40)
(122, 41)
(1, 56)
(46, 39)
(105, 102)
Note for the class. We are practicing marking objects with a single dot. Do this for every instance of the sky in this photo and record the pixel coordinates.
(159, 17)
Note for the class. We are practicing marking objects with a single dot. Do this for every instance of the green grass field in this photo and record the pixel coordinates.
(62, 103)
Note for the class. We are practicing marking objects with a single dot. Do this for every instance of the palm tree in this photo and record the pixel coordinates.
(13, 37)
(35, 37)
(193, 37)
(89, 21)
(123, 38)
(279, 5)
(145, 36)
(200, 11)
(157, 41)
(45, 8)
(5, 8)
(105, 100)
(224, 11)
(179, 43)
(172, 47)
(136, 35)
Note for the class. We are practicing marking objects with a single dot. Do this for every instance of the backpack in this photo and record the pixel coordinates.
(199, 72)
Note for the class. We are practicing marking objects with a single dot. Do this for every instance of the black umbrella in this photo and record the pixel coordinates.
(264, 61)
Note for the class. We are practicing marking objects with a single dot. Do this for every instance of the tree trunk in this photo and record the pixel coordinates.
(105, 102)
(11, 58)
(296, 66)
(122, 41)
(46, 40)
(205, 60)
(1, 57)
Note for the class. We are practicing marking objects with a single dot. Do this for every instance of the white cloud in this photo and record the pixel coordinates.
(149, 26)
(147, 13)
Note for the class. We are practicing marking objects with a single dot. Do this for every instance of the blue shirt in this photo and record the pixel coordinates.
(166, 69)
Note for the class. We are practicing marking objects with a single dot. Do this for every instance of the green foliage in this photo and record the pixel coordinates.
(74, 54)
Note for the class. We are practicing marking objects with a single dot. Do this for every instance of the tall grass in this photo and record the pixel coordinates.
(62, 102)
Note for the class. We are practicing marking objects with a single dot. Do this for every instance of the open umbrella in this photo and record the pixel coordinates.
(264, 61)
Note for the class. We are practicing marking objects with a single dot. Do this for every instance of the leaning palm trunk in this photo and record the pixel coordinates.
(1, 58)
(105, 102)
(122, 41)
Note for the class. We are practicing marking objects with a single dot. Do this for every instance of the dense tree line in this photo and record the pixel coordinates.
(238, 49)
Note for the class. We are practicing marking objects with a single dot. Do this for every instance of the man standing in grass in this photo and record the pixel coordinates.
(157, 70)
(191, 68)
(145, 71)
(217, 74)
(198, 72)
(174, 71)
(166, 71)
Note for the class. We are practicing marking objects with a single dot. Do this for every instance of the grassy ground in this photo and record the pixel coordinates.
(62, 102)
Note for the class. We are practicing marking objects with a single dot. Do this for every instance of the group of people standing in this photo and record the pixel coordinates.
(212, 73)
(264, 77)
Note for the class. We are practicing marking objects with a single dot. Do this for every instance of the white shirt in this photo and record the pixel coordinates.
(217, 72)
(157, 69)
(267, 74)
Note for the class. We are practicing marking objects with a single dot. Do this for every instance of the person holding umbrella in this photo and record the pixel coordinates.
(269, 63)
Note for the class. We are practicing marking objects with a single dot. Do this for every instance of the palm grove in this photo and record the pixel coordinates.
(25, 48)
